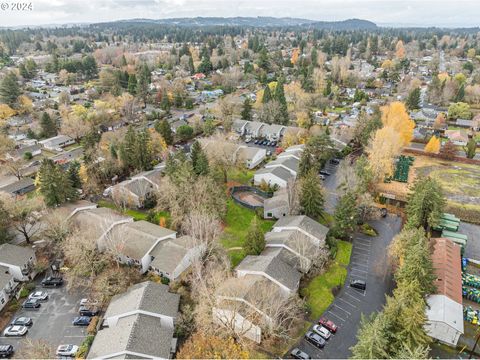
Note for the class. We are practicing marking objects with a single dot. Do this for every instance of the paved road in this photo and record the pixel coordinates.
(369, 263)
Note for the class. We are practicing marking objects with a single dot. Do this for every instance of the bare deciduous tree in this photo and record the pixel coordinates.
(35, 349)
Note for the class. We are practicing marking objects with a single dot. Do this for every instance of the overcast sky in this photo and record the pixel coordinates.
(442, 13)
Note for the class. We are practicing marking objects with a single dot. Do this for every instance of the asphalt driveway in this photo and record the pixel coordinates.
(369, 262)
(52, 322)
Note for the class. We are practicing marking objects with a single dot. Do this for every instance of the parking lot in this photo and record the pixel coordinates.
(52, 322)
(368, 263)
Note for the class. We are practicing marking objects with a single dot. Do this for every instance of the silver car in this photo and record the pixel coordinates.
(323, 332)
(15, 330)
(39, 295)
(67, 350)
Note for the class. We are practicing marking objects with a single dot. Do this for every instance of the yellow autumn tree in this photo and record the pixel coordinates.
(399, 50)
(295, 55)
(387, 64)
(382, 150)
(443, 76)
(395, 116)
(272, 85)
(303, 120)
(6, 112)
(204, 346)
(433, 145)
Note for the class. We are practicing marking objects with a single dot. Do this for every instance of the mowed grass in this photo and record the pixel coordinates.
(242, 176)
(137, 215)
(237, 223)
(319, 291)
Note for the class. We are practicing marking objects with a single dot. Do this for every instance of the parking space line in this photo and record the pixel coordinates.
(359, 249)
(354, 263)
(348, 312)
(73, 336)
(354, 269)
(353, 297)
(361, 241)
(336, 316)
(346, 302)
(364, 245)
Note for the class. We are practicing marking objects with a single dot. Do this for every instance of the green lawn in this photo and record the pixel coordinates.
(243, 176)
(137, 215)
(237, 222)
(319, 291)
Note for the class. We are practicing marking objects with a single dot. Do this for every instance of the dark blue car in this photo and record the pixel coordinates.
(82, 320)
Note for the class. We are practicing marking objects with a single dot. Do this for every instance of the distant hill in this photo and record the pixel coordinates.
(351, 24)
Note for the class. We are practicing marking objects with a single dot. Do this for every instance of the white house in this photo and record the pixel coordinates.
(19, 260)
(57, 143)
(250, 156)
(273, 176)
(7, 286)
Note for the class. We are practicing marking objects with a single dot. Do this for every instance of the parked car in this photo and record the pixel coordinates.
(22, 321)
(67, 350)
(334, 161)
(323, 332)
(39, 295)
(322, 177)
(88, 311)
(299, 354)
(247, 140)
(358, 284)
(15, 330)
(256, 141)
(383, 212)
(324, 173)
(52, 281)
(329, 324)
(269, 153)
(315, 339)
(274, 143)
(82, 320)
(6, 351)
(88, 302)
(31, 304)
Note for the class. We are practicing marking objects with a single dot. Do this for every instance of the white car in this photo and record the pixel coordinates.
(39, 295)
(15, 330)
(67, 350)
(88, 302)
(323, 332)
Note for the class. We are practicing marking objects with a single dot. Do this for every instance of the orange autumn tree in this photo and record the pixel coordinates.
(433, 146)
(400, 50)
(203, 346)
(295, 55)
(395, 116)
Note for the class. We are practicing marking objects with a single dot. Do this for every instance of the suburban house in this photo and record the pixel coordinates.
(68, 156)
(140, 243)
(281, 170)
(253, 128)
(291, 248)
(172, 257)
(444, 309)
(311, 228)
(272, 131)
(57, 143)
(19, 154)
(7, 286)
(135, 191)
(277, 206)
(250, 156)
(19, 187)
(19, 260)
(136, 241)
(271, 268)
(458, 137)
(239, 126)
(138, 324)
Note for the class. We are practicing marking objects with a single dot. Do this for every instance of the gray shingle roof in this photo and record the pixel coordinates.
(147, 296)
(15, 255)
(273, 267)
(138, 333)
(305, 223)
(19, 186)
(278, 171)
(168, 254)
(289, 162)
(137, 238)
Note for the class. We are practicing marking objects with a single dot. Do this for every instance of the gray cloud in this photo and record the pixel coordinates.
(384, 12)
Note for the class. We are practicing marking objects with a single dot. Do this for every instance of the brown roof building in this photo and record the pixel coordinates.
(446, 260)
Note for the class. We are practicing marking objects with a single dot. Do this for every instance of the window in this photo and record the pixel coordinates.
(2, 300)
(269, 214)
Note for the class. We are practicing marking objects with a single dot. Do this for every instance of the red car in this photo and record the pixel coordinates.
(330, 325)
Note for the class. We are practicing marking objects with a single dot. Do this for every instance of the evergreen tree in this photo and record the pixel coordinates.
(311, 195)
(413, 99)
(328, 89)
(165, 103)
(142, 86)
(123, 61)
(255, 239)
(54, 184)
(48, 126)
(247, 110)
(191, 66)
(5, 235)
(89, 67)
(143, 154)
(199, 159)
(373, 338)
(73, 173)
(267, 95)
(263, 62)
(460, 94)
(164, 129)
(9, 89)
(471, 148)
(279, 95)
(425, 203)
(132, 84)
(205, 66)
(345, 215)
(306, 163)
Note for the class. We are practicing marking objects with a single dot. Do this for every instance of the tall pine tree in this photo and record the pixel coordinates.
(54, 184)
